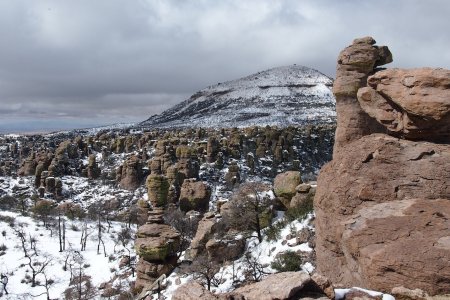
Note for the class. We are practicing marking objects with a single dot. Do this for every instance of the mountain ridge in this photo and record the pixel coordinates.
(281, 96)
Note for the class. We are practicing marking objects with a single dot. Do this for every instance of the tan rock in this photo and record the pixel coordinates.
(278, 286)
(285, 184)
(131, 173)
(414, 104)
(194, 195)
(382, 215)
(324, 284)
(402, 293)
(204, 232)
(355, 63)
(193, 291)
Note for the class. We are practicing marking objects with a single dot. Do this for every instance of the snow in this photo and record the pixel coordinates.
(13, 262)
(277, 97)
(340, 293)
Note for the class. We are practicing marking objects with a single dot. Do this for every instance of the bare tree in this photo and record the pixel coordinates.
(81, 287)
(100, 236)
(126, 238)
(85, 232)
(249, 208)
(4, 279)
(36, 264)
(184, 224)
(203, 269)
(253, 270)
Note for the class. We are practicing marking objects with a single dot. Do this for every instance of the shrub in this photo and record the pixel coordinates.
(7, 219)
(8, 202)
(273, 232)
(287, 262)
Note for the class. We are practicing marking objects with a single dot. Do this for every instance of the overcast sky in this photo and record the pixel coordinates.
(80, 63)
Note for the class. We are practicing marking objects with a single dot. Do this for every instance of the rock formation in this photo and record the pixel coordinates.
(383, 203)
(131, 176)
(280, 286)
(285, 185)
(194, 195)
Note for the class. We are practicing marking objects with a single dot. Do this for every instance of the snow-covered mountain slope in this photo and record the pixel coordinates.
(280, 96)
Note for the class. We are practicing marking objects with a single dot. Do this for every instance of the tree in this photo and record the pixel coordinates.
(253, 269)
(126, 238)
(203, 269)
(43, 210)
(37, 265)
(4, 279)
(184, 224)
(249, 208)
(81, 286)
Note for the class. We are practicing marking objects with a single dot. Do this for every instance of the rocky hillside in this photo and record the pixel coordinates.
(291, 95)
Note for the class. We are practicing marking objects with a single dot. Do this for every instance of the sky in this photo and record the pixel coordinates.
(76, 64)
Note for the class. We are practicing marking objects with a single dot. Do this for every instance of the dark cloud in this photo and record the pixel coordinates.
(78, 63)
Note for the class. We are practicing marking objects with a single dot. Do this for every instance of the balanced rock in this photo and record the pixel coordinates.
(355, 64)
(157, 190)
(156, 242)
(412, 104)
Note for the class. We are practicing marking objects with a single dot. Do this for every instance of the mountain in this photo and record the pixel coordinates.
(280, 96)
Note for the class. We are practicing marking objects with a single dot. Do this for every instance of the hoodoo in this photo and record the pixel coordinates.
(383, 202)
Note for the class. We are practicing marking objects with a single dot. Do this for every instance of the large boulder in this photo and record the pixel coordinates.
(194, 195)
(280, 286)
(414, 104)
(285, 185)
(205, 231)
(383, 213)
(383, 204)
(193, 291)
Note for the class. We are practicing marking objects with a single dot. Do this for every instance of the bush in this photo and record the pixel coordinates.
(273, 232)
(7, 219)
(300, 212)
(287, 262)
(8, 203)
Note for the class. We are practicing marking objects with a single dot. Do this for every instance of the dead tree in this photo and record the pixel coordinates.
(203, 269)
(249, 209)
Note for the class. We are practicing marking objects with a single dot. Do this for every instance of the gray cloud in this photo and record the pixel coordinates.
(78, 63)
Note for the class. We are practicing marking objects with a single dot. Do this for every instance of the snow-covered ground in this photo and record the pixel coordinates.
(102, 267)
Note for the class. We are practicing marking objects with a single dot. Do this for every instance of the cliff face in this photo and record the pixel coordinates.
(383, 202)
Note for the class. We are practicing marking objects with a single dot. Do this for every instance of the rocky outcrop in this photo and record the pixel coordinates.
(412, 104)
(194, 195)
(157, 190)
(93, 171)
(193, 291)
(131, 176)
(205, 230)
(285, 285)
(285, 185)
(280, 286)
(383, 203)
(355, 64)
